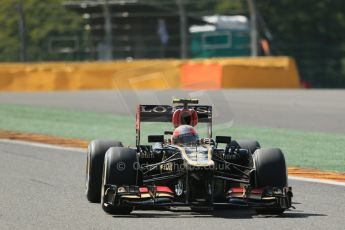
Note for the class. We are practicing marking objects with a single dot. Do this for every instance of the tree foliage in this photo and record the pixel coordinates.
(44, 19)
(312, 32)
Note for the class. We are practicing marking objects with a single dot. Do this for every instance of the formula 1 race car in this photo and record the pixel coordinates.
(181, 169)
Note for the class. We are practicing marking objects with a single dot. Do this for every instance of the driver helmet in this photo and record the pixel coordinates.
(185, 135)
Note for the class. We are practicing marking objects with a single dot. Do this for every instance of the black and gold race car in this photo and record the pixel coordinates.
(181, 169)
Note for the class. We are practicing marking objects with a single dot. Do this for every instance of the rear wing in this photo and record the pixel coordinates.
(164, 113)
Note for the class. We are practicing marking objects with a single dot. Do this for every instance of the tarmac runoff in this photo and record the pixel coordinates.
(308, 175)
(308, 125)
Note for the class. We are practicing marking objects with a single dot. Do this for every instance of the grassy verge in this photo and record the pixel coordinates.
(302, 149)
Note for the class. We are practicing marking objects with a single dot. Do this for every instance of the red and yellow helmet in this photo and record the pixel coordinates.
(185, 135)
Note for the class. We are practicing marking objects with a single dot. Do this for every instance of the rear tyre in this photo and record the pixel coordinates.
(119, 169)
(270, 171)
(94, 167)
(250, 145)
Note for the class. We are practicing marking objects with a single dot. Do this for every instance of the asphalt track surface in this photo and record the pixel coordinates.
(306, 110)
(43, 188)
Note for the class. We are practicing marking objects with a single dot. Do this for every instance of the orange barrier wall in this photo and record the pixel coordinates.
(151, 74)
(96, 75)
(261, 72)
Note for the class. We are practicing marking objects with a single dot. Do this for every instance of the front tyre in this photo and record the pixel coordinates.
(119, 169)
(94, 167)
(270, 171)
(270, 168)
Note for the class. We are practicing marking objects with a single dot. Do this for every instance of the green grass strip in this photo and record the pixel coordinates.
(302, 149)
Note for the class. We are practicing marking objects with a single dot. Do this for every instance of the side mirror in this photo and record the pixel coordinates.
(155, 138)
(223, 139)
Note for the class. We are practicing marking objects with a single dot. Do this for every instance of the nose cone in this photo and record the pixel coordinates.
(197, 156)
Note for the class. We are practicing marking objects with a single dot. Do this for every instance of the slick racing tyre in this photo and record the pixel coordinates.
(250, 145)
(94, 167)
(270, 171)
(119, 169)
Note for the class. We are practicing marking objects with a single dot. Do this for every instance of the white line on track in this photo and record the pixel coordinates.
(322, 181)
(34, 144)
(330, 182)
